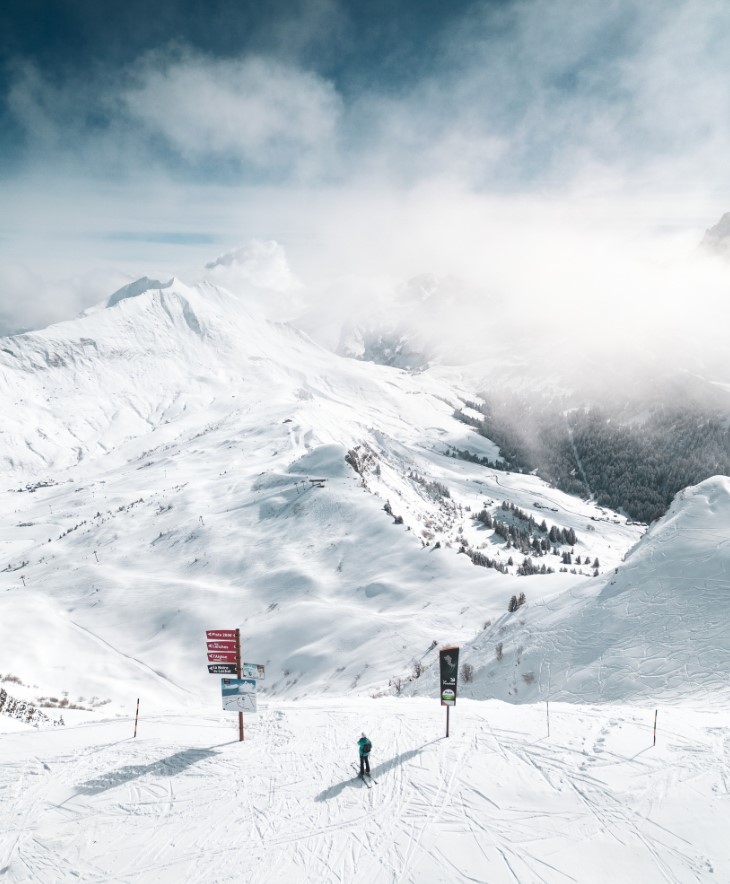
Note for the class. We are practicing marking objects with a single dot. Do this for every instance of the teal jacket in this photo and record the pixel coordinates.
(361, 745)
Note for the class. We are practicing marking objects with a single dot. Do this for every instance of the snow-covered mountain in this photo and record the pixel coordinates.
(171, 462)
(654, 627)
(172, 459)
(158, 467)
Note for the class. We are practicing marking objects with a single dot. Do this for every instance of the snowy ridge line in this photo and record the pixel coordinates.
(24, 711)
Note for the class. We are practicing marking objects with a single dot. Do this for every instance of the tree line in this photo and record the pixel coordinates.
(632, 466)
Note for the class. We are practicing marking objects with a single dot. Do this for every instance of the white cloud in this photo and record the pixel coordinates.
(535, 158)
(527, 95)
(259, 272)
(35, 104)
(540, 94)
(263, 264)
(30, 300)
(255, 109)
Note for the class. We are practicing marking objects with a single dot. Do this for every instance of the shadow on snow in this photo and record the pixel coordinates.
(165, 767)
(381, 769)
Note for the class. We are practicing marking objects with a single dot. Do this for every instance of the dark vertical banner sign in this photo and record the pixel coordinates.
(448, 675)
(449, 667)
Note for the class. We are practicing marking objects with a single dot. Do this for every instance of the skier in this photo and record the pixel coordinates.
(364, 745)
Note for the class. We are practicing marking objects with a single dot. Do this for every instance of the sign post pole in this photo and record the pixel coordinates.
(449, 673)
(238, 675)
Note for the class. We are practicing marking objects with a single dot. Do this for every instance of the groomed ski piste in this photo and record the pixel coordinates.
(498, 801)
(173, 464)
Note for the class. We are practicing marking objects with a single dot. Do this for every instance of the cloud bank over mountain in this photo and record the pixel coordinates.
(563, 163)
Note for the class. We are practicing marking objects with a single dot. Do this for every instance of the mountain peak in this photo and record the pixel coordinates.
(717, 238)
(136, 288)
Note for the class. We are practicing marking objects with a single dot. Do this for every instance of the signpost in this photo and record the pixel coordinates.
(224, 658)
(449, 672)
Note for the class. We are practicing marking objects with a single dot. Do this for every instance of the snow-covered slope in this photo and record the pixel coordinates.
(499, 802)
(80, 389)
(158, 468)
(159, 458)
(172, 463)
(654, 629)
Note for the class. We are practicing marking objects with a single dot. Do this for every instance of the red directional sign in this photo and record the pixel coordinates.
(226, 635)
(221, 646)
(221, 657)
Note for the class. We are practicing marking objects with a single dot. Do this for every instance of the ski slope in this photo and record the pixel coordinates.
(498, 802)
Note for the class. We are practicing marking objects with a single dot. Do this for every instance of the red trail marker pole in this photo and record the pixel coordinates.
(136, 718)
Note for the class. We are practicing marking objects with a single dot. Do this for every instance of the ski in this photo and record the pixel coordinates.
(362, 777)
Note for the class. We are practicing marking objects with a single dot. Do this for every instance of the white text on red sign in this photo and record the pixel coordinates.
(226, 635)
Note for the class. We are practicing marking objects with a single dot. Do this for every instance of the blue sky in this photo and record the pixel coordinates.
(141, 138)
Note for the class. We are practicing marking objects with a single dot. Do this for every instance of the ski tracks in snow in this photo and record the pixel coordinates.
(497, 802)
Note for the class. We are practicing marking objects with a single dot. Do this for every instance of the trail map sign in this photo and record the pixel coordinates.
(238, 694)
(253, 670)
(449, 668)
